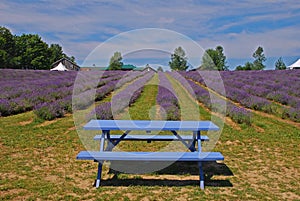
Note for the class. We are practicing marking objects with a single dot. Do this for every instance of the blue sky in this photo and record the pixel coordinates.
(239, 26)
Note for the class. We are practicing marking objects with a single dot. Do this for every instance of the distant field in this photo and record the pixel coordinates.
(260, 139)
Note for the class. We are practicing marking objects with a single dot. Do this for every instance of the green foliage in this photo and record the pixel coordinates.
(280, 65)
(27, 51)
(7, 47)
(258, 62)
(178, 60)
(214, 59)
(240, 118)
(160, 69)
(32, 52)
(51, 112)
(248, 66)
(115, 62)
(259, 59)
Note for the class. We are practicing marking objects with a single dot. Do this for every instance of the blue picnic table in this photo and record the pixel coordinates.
(126, 126)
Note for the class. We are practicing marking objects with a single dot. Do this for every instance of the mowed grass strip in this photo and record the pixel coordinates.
(145, 108)
(188, 107)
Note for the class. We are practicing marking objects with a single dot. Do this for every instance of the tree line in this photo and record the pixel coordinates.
(28, 51)
(212, 59)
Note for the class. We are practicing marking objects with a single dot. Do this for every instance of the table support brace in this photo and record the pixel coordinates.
(189, 146)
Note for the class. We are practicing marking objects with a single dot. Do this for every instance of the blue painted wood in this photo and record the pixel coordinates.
(150, 156)
(152, 137)
(150, 125)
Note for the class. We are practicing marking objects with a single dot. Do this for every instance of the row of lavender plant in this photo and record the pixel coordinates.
(213, 102)
(82, 100)
(58, 108)
(21, 90)
(48, 93)
(273, 85)
(166, 98)
(121, 100)
(278, 86)
(259, 83)
(242, 87)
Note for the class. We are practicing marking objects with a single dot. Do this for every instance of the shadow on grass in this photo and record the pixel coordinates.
(179, 168)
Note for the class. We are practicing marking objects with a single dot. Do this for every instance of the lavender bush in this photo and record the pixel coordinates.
(166, 98)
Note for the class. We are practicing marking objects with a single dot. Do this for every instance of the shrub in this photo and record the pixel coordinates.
(239, 115)
(292, 114)
(49, 111)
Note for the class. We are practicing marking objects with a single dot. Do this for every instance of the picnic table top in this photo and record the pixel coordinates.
(150, 125)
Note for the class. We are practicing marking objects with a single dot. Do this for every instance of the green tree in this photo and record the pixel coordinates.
(115, 62)
(27, 51)
(280, 65)
(259, 59)
(32, 52)
(248, 66)
(7, 48)
(160, 69)
(178, 60)
(258, 62)
(55, 53)
(214, 59)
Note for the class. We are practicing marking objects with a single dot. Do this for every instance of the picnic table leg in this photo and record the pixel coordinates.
(193, 145)
(201, 175)
(110, 144)
(97, 183)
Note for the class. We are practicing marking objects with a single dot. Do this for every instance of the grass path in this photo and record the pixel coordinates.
(145, 107)
(188, 106)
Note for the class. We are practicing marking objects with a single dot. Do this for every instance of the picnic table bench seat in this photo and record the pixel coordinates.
(150, 156)
(150, 138)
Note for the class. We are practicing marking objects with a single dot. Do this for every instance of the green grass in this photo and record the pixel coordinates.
(38, 162)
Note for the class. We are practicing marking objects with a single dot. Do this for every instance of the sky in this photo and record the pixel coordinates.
(239, 27)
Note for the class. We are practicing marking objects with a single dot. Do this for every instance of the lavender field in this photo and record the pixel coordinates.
(50, 94)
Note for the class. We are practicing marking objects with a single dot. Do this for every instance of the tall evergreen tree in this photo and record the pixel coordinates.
(259, 59)
(280, 65)
(178, 60)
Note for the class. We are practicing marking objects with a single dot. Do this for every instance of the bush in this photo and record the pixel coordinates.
(292, 114)
(239, 115)
(49, 111)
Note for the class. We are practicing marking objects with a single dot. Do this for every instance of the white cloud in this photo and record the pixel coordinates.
(79, 26)
(281, 42)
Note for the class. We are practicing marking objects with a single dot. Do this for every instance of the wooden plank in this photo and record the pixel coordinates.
(150, 125)
(150, 156)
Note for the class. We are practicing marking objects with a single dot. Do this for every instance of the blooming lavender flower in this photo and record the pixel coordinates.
(166, 98)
